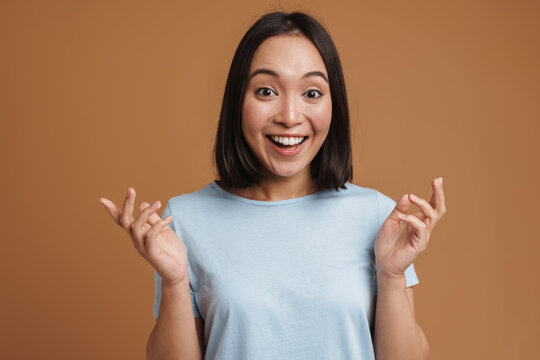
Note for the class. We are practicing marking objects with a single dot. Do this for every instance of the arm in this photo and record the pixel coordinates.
(401, 238)
(397, 334)
(174, 335)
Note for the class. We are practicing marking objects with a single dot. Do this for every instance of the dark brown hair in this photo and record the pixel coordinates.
(236, 164)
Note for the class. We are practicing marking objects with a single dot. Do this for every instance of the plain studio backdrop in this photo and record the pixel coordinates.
(97, 96)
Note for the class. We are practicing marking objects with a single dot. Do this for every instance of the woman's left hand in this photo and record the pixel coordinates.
(403, 237)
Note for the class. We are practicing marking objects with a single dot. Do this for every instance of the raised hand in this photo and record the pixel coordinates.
(403, 237)
(153, 239)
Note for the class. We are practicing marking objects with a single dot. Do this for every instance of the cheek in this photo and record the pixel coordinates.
(321, 117)
(253, 116)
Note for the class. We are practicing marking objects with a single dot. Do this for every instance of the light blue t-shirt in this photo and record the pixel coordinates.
(291, 279)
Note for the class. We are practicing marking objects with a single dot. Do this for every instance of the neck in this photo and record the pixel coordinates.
(275, 188)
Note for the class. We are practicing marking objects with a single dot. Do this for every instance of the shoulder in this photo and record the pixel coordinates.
(192, 200)
(354, 198)
(354, 192)
(358, 189)
(368, 198)
(376, 195)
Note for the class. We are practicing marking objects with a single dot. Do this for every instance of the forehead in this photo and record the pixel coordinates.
(288, 55)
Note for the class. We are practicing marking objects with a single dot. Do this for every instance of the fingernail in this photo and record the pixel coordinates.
(414, 197)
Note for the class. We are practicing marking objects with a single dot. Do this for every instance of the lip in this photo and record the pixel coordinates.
(287, 135)
(287, 152)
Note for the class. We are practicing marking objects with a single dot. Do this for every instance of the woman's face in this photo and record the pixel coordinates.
(287, 106)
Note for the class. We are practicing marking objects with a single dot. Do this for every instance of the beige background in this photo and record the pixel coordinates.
(97, 96)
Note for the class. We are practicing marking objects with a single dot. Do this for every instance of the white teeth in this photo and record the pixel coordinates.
(288, 140)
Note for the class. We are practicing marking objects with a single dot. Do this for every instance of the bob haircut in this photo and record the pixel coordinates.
(236, 164)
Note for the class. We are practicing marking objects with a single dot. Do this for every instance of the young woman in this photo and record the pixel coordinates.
(282, 257)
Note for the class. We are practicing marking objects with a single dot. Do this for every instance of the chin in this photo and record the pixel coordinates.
(290, 172)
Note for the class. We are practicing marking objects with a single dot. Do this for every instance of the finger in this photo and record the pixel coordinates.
(153, 217)
(111, 208)
(143, 206)
(126, 218)
(437, 198)
(420, 215)
(426, 208)
(147, 211)
(138, 238)
(150, 241)
(419, 226)
(137, 227)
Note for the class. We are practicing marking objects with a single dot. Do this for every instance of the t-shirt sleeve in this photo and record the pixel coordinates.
(385, 207)
(157, 277)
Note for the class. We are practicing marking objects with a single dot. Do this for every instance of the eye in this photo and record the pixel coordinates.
(312, 93)
(265, 91)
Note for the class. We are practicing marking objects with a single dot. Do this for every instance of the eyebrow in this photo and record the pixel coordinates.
(273, 73)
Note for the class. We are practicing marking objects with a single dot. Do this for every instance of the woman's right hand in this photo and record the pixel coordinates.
(153, 239)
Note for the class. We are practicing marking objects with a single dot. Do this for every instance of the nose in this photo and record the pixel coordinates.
(289, 113)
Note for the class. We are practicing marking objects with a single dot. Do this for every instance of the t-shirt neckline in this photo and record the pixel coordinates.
(232, 196)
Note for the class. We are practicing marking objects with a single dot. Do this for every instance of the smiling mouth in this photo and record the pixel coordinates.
(289, 143)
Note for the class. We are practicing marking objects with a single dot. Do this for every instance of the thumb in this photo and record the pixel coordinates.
(402, 206)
